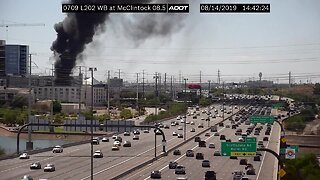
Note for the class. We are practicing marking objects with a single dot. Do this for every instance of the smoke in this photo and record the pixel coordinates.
(78, 29)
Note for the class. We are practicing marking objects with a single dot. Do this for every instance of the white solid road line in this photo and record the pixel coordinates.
(123, 161)
(184, 153)
(38, 161)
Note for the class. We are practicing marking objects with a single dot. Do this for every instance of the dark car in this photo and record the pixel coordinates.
(233, 157)
(173, 165)
(199, 156)
(190, 153)
(205, 163)
(127, 144)
(177, 152)
(210, 175)
(202, 144)
(243, 161)
(251, 171)
(265, 139)
(257, 158)
(222, 137)
(197, 139)
(267, 133)
(35, 165)
(126, 133)
(155, 175)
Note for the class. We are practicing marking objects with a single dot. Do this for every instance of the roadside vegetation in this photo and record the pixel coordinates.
(299, 121)
(304, 167)
(173, 109)
(2, 153)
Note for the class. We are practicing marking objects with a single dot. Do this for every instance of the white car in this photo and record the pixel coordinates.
(241, 139)
(105, 139)
(174, 134)
(181, 121)
(191, 123)
(179, 117)
(49, 167)
(114, 136)
(180, 136)
(212, 145)
(192, 130)
(180, 128)
(57, 149)
(24, 156)
(97, 154)
(117, 143)
(115, 148)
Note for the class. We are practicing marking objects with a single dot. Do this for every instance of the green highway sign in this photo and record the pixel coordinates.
(283, 150)
(261, 119)
(277, 105)
(238, 148)
(251, 139)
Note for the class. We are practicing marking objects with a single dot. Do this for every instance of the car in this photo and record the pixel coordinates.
(200, 126)
(258, 153)
(243, 161)
(260, 143)
(173, 165)
(166, 126)
(176, 152)
(245, 178)
(115, 148)
(221, 124)
(181, 121)
(158, 132)
(202, 119)
(248, 166)
(35, 165)
(181, 178)
(27, 177)
(97, 154)
(180, 128)
(267, 133)
(174, 133)
(233, 157)
(251, 171)
(193, 130)
(237, 175)
(227, 126)
(199, 156)
(222, 137)
(173, 123)
(136, 132)
(146, 131)
(202, 144)
(179, 117)
(49, 168)
(118, 138)
(189, 153)
(265, 139)
(256, 158)
(212, 145)
(197, 139)
(126, 133)
(180, 170)
(244, 134)
(207, 134)
(216, 153)
(105, 139)
(117, 143)
(191, 123)
(114, 136)
(127, 144)
(241, 139)
(257, 133)
(57, 149)
(210, 175)
(216, 134)
(180, 136)
(194, 117)
(135, 137)
(155, 175)
(205, 163)
(24, 156)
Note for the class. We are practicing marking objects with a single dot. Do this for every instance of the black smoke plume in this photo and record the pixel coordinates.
(78, 29)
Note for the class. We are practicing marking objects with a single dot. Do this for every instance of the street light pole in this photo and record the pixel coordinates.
(91, 124)
(185, 101)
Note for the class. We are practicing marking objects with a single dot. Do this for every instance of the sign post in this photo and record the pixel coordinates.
(290, 153)
(247, 149)
(261, 119)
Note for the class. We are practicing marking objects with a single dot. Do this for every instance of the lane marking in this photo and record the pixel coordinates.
(38, 161)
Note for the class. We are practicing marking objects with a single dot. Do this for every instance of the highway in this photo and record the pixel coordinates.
(223, 166)
(74, 162)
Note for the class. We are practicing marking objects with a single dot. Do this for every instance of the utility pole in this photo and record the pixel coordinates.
(109, 93)
(156, 78)
(223, 101)
(185, 101)
(219, 77)
(143, 84)
(209, 87)
(290, 79)
(29, 144)
(165, 82)
(91, 124)
(52, 98)
(80, 86)
(171, 88)
(138, 92)
(200, 85)
(159, 74)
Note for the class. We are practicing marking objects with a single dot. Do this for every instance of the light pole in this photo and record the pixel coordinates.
(185, 101)
(209, 87)
(91, 124)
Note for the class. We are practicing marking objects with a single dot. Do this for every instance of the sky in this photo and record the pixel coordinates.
(239, 45)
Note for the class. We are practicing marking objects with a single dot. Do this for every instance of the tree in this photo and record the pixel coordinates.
(10, 117)
(316, 89)
(57, 107)
(19, 102)
(126, 114)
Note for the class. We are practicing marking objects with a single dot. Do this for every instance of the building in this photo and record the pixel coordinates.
(2, 58)
(16, 59)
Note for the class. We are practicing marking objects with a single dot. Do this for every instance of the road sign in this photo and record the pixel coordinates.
(251, 139)
(261, 119)
(277, 105)
(290, 153)
(282, 172)
(283, 150)
(283, 139)
(238, 148)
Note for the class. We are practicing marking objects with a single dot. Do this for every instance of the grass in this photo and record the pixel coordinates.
(60, 130)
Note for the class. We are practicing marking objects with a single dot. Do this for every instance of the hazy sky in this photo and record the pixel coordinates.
(240, 45)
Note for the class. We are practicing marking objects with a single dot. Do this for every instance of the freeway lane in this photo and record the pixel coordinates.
(222, 165)
(74, 162)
